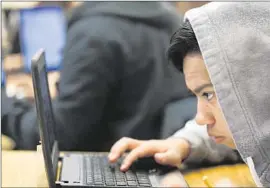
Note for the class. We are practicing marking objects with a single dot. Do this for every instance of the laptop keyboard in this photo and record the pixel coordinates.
(99, 172)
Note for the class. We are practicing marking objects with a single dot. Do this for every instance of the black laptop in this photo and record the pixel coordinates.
(80, 169)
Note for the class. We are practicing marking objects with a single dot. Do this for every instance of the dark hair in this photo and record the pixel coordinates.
(182, 43)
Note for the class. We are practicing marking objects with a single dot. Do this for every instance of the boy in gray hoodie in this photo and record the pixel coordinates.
(223, 50)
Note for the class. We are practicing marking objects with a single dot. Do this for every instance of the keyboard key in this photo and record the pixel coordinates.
(98, 183)
(122, 183)
(131, 179)
(110, 183)
(108, 175)
(141, 174)
(109, 179)
(120, 179)
(142, 178)
(130, 176)
(97, 175)
(89, 175)
(145, 185)
(132, 183)
(130, 173)
(98, 178)
(143, 181)
(89, 181)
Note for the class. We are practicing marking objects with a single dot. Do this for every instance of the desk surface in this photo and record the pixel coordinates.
(239, 176)
(19, 170)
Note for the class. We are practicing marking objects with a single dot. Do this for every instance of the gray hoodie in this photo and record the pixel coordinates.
(235, 42)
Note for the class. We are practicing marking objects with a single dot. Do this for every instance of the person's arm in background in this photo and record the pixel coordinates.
(88, 71)
(202, 148)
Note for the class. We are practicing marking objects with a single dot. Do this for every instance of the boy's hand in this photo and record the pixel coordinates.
(166, 152)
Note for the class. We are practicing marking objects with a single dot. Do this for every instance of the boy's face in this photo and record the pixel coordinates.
(208, 110)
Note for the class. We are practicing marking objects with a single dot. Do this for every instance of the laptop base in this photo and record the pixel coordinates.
(74, 173)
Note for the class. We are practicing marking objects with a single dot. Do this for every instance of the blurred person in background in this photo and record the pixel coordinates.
(114, 80)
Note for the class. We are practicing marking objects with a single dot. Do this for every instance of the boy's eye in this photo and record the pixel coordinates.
(208, 96)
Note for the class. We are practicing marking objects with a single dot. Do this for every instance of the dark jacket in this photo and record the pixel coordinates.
(115, 79)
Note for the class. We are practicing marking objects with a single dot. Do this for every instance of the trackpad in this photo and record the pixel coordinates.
(71, 169)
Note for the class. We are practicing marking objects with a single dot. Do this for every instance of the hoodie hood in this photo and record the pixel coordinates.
(161, 15)
(234, 39)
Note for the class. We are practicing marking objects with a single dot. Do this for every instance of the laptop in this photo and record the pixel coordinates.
(90, 169)
(43, 27)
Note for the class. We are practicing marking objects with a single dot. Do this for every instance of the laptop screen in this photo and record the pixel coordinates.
(44, 100)
(43, 27)
(48, 115)
(45, 115)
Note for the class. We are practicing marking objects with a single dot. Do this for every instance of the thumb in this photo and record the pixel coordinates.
(169, 157)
